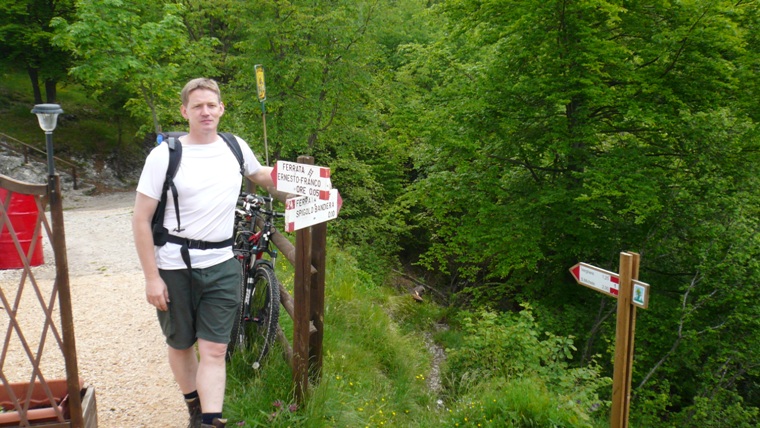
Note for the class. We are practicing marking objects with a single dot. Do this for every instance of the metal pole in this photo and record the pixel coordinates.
(50, 161)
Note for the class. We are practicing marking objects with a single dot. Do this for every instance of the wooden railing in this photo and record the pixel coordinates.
(29, 151)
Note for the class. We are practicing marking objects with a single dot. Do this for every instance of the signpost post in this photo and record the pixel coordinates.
(315, 204)
(261, 95)
(630, 293)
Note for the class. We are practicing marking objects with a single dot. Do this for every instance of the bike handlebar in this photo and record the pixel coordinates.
(252, 200)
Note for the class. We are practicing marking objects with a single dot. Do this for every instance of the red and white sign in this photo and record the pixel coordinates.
(305, 211)
(609, 283)
(302, 179)
(597, 278)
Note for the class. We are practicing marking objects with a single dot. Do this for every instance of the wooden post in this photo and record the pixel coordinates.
(317, 316)
(64, 300)
(302, 304)
(621, 376)
(635, 263)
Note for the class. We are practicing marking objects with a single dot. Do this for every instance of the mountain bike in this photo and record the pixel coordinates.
(255, 326)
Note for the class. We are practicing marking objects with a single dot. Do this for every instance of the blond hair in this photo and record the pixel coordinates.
(199, 83)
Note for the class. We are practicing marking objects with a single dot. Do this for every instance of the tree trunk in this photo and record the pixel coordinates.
(33, 76)
(50, 90)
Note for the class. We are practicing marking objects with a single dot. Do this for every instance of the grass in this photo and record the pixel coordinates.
(375, 370)
(373, 374)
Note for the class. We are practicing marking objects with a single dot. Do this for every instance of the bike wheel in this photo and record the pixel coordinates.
(261, 315)
(237, 336)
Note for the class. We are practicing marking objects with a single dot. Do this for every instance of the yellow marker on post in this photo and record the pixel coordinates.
(261, 89)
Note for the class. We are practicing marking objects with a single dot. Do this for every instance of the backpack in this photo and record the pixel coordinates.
(160, 234)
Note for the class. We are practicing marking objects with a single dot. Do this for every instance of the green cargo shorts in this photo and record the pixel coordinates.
(202, 309)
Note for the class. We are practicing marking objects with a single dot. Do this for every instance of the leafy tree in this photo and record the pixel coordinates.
(558, 132)
(141, 46)
(326, 77)
(221, 25)
(25, 42)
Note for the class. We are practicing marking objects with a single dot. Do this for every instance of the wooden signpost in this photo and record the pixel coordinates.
(311, 203)
(630, 293)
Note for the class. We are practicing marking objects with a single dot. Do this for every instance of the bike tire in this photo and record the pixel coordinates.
(261, 331)
(235, 335)
(255, 328)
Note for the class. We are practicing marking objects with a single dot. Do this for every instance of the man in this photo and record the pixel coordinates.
(196, 303)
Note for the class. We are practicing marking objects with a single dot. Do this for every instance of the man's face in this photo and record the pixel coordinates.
(203, 110)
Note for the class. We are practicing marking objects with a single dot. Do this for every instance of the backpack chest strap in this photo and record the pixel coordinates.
(195, 244)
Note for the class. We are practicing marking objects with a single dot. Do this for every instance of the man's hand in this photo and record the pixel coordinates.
(157, 294)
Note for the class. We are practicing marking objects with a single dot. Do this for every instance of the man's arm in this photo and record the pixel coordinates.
(263, 177)
(156, 292)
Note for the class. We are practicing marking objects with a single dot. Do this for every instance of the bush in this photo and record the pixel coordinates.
(501, 351)
(523, 402)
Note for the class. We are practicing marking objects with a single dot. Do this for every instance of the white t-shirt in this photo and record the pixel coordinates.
(208, 183)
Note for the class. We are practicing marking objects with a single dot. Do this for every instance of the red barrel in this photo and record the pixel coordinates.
(23, 215)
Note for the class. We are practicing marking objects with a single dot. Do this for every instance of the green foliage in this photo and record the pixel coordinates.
(138, 52)
(551, 133)
(85, 131)
(729, 412)
(508, 347)
(328, 96)
(26, 42)
(372, 374)
(376, 370)
(521, 402)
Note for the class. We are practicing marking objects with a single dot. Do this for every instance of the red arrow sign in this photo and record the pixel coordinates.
(597, 278)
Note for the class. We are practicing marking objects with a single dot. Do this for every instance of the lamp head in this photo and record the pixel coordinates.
(47, 115)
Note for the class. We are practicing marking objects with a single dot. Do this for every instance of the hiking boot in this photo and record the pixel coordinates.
(217, 423)
(194, 409)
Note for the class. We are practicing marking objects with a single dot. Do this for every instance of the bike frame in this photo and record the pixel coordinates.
(260, 240)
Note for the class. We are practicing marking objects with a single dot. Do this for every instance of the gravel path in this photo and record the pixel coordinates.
(121, 352)
(120, 346)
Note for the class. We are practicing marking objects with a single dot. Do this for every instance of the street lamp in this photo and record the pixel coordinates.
(47, 115)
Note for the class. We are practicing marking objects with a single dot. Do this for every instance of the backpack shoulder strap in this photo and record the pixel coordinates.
(175, 155)
(235, 147)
